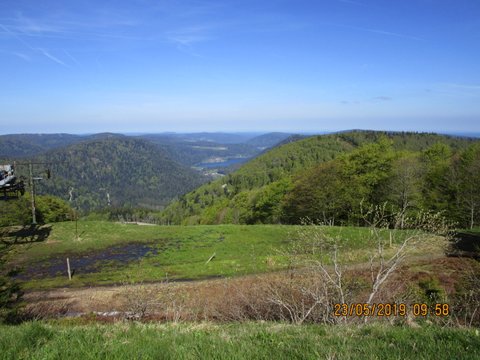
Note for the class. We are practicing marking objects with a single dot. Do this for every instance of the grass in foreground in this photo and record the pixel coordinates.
(234, 341)
(182, 251)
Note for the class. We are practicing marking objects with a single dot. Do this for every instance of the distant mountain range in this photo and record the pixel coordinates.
(98, 170)
(464, 134)
(24, 145)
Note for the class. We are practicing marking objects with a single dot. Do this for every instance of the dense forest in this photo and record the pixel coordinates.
(186, 149)
(332, 177)
(113, 171)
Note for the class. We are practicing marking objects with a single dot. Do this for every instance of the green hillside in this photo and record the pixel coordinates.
(211, 202)
(132, 172)
(268, 140)
(257, 192)
(22, 145)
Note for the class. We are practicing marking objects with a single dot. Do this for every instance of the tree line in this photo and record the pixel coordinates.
(436, 179)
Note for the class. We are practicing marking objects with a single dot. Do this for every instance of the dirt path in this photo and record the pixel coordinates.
(109, 299)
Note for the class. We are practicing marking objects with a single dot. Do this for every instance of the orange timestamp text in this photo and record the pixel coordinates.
(389, 310)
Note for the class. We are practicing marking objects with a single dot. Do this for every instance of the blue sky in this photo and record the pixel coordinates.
(151, 66)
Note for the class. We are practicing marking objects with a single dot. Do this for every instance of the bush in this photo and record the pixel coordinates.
(10, 295)
(48, 209)
(15, 212)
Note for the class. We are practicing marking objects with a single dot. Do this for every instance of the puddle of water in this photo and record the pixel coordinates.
(91, 262)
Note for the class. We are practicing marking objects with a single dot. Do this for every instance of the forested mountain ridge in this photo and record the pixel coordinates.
(268, 140)
(115, 170)
(257, 192)
(187, 149)
(23, 145)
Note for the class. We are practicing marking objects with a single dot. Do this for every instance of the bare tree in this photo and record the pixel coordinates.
(139, 300)
(301, 297)
(469, 179)
(420, 227)
(312, 287)
(404, 187)
(317, 254)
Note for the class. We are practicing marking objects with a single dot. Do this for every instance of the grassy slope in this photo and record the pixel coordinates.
(184, 250)
(234, 341)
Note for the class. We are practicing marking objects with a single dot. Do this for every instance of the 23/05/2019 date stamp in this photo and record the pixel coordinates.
(388, 310)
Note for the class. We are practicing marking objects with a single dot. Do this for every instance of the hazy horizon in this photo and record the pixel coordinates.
(252, 133)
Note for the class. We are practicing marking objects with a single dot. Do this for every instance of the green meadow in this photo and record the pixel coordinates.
(68, 340)
(174, 252)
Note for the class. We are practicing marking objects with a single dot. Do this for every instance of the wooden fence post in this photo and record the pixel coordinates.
(68, 269)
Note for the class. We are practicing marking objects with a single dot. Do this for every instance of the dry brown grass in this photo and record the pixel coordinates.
(274, 296)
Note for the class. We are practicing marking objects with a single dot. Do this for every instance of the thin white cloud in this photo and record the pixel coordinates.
(51, 57)
(377, 31)
(189, 35)
(13, 34)
(382, 98)
(22, 56)
(17, 54)
(117, 25)
(65, 28)
(42, 51)
(74, 59)
(464, 86)
(457, 90)
(28, 26)
(352, 2)
(185, 39)
(389, 33)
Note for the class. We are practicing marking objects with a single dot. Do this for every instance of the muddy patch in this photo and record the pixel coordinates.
(465, 244)
(91, 262)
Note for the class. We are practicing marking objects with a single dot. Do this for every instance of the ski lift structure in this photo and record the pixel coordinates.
(10, 186)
